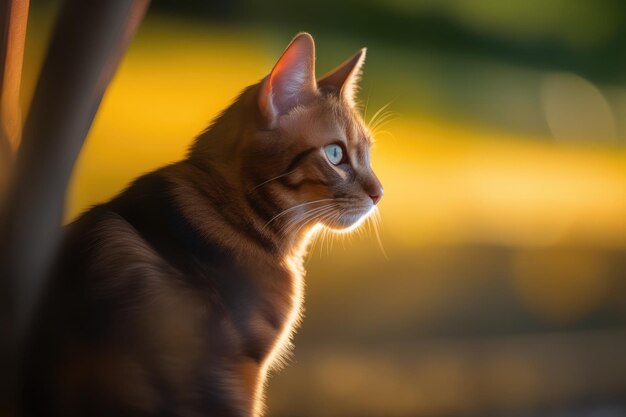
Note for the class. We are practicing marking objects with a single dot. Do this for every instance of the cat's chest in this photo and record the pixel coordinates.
(263, 310)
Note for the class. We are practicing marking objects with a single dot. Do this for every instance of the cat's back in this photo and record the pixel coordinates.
(117, 243)
(117, 304)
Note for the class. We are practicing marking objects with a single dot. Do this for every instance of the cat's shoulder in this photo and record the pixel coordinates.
(112, 246)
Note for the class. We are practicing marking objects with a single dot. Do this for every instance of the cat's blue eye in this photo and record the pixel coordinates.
(334, 153)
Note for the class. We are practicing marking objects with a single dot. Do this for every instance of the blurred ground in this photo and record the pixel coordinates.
(503, 287)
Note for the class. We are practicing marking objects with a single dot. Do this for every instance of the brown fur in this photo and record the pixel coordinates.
(177, 297)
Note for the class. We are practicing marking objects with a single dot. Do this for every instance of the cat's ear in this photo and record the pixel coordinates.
(292, 81)
(343, 80)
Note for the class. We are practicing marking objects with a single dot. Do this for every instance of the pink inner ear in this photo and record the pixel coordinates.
(292, 80)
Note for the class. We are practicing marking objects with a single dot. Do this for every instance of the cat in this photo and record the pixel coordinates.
(178, 296)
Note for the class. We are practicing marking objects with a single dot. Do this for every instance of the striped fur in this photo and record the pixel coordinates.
(178, 296)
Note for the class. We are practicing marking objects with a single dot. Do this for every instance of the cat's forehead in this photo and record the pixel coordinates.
(327, 121)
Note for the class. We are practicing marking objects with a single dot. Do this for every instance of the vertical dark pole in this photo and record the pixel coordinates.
(88, 42)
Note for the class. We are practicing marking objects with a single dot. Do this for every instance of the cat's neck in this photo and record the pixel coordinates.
(219, 211)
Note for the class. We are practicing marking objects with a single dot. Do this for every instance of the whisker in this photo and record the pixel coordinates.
(304, 223)
(329, 212)
(331, 236)
(383, 120)
(282, 213)
(380, 119)
(273, 179)
(380, 133)
(378, 224)
(377, 114)
(335, 236)
(301, 221)
(322, 239)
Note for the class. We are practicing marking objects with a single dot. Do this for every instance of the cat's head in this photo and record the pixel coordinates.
(306, 159)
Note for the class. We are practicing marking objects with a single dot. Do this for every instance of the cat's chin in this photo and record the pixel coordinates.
(349, 221)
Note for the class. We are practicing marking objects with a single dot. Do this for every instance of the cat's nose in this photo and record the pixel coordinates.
(374, 188)
(377, 196)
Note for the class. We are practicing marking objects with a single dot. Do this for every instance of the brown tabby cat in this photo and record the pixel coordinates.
(176, 297)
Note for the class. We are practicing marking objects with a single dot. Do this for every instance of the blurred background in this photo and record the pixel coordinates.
(499, 286)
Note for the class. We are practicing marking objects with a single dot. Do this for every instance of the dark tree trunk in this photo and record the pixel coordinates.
(13, 19)
(85, 50)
